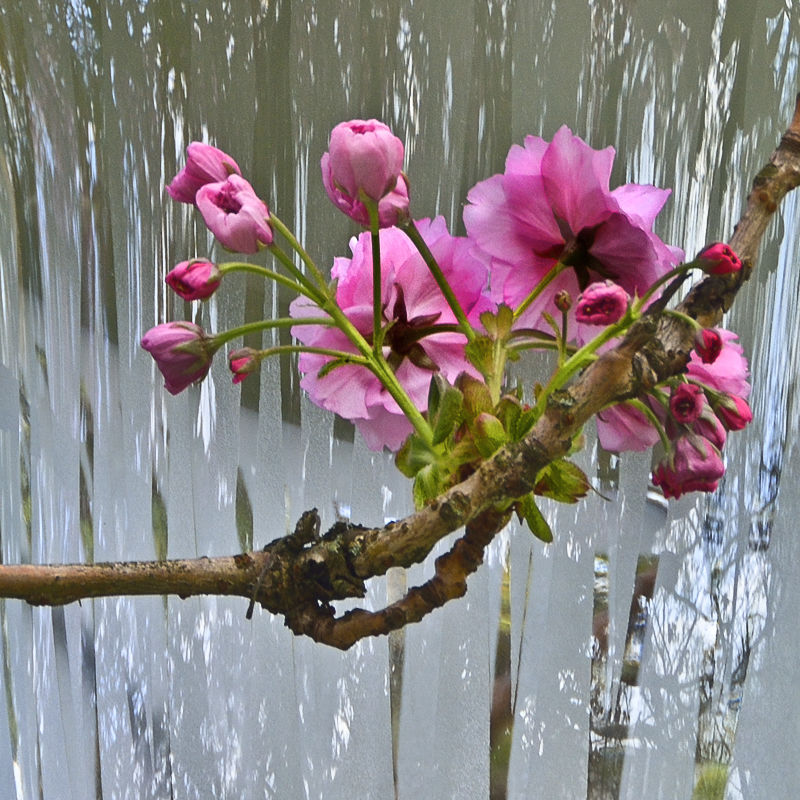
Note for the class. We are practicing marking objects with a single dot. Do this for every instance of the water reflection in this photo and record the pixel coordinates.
(633, 655)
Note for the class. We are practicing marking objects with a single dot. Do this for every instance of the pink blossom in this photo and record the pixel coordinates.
(553, 203)
(728, 373)
(602, 304)
(182, 351)
(412, 301)
(204, 164)
(735, 413)
(235, 214)
(243, 362)
(708, 345)
(365, 161)
(364, 157)
(194, 280)
(621, 428)
(686, 403)
(692, 465)
(718, 259)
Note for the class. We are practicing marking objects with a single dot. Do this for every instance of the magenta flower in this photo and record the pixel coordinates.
(718, 259)
(708, 345)
(621, 427)
(728, 373)
(365, 157)
(553, 203)
(365, 161)
(204, 164)
(235, 214)
(243, 362)
(693, 465)
(686, 403)
(182, 351)
(602, 304)
(194, 280)
(412, 301)
(734, 413)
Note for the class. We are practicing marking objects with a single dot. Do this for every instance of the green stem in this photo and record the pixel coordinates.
(556, 270)
(581, 358)
(265, 324)
(413, 233)
(673, 273)
(350, 358)
(377, 286)
(654, 420)
(692, 323)
(243, 266)
(300, 250)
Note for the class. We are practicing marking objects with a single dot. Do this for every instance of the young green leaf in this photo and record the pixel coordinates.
(529, 511)
(562, 481)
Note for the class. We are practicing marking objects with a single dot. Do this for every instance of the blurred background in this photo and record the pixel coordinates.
(651, 651)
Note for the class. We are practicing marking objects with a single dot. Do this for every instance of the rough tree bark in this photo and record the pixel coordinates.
(298, 576)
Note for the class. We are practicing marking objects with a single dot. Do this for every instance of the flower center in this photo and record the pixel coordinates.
(227, 201)
(403, 335)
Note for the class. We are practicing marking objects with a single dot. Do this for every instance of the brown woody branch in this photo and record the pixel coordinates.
(299, 575)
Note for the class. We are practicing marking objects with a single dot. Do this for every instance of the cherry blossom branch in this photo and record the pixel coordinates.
(300, 575)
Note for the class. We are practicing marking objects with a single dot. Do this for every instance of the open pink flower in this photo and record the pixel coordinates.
(235, 214)
(204, 164)
(603, 303)
(553, 203)
(182, 351)
(693, 465)
(413, 302)
(197, 279)
(686, 403)
(365, 161)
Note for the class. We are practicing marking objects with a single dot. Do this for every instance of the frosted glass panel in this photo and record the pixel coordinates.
(649, 652)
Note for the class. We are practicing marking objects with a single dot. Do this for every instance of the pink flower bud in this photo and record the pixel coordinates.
(709, 427)
(602, 304)
(686, 403)
(182, 351)
(693, 465)
(563, 301)
(734, 413)
(364, 162)
(194, 280)
(204, 164)
(243, 362)
(708, 345)
(718, 259)
(235, 214)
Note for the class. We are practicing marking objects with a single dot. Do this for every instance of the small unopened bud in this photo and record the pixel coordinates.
(708, 345)
(563, 301)
(602, 304)
(718, 259)
(242, 362)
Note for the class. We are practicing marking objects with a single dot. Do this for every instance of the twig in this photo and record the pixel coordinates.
(299, 576)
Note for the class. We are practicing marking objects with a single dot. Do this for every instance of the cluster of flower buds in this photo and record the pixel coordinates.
(411, 337)
(701, 413)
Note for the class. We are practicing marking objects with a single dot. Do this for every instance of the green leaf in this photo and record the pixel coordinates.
(413, 456)
(480, 353)
(427, 485)
(562, 481)
(477, 397)
(450, 414)
(489, 434)
(529, 511)
(505, 319)
(434, 395)
(508, 411)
